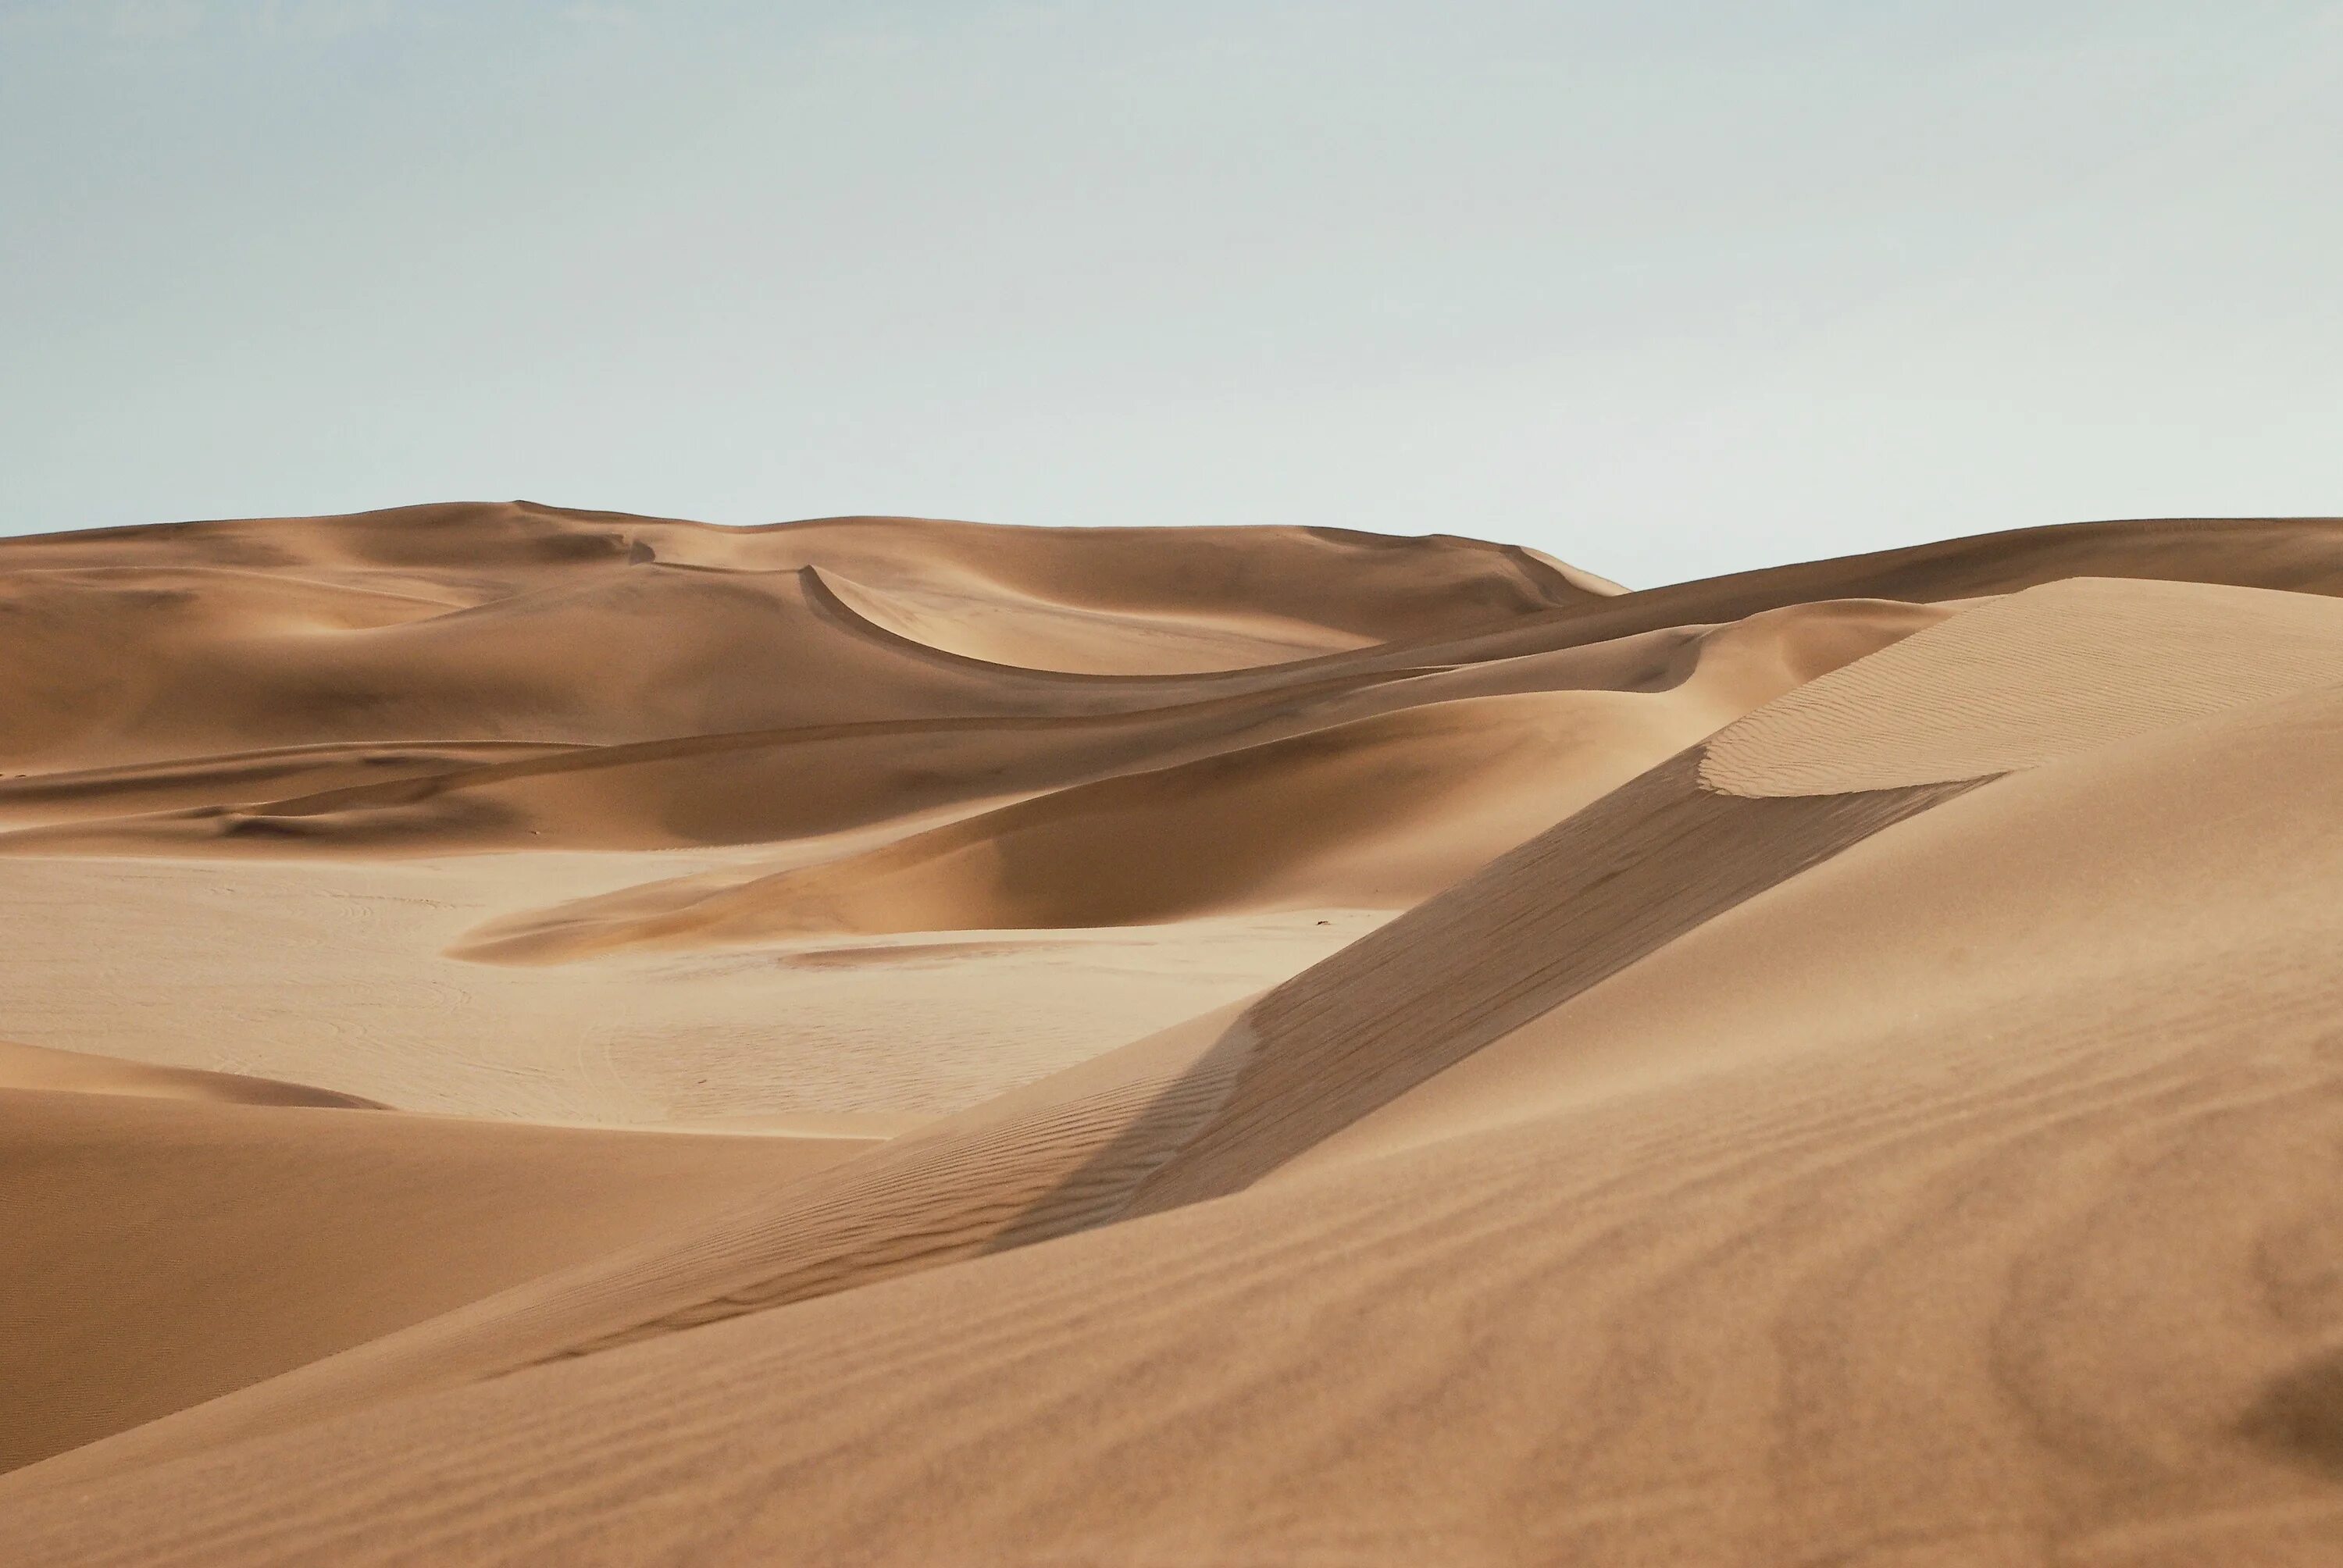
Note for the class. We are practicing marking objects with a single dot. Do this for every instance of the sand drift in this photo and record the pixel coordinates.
(541, 1036)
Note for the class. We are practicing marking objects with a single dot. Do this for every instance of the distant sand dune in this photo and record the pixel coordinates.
(1247, 1045)
(1376, 812)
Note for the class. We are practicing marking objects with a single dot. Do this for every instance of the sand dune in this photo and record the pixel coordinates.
(161, 1251)
(520, 623)
(1376, 812)
(31, 1067)
(1192, 1113)
(1266, 1046)
(768, 785)
(2039, 675)
(335, 974)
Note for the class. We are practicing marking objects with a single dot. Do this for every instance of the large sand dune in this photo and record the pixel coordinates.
(556, 1037)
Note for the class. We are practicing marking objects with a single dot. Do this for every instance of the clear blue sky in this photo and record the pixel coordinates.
(1664, 287)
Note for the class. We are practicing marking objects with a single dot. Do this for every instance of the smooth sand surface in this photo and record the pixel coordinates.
(163, 1250)
(555, 1037)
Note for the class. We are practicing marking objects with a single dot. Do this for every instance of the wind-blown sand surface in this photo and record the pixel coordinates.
(541, 1036)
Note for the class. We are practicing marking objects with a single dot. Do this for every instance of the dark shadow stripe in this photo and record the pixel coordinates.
(1618, 880)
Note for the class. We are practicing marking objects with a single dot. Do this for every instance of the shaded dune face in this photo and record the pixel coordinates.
(1167, 1045)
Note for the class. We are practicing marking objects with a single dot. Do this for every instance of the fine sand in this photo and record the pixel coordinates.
(552, 1037)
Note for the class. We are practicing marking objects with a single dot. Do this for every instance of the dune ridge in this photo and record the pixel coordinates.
(1197, 1045)
(1973, 700)
(76, 1072)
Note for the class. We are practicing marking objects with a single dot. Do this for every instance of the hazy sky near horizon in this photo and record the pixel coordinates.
(1666, 287)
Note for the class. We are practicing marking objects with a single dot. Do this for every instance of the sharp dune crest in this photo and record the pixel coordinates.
(75, 1072)
(553, 1036)
(2052, 671)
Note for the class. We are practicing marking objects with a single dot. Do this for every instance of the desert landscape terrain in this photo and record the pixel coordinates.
(541, 1036)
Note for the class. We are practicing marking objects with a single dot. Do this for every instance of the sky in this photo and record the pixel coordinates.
(1666, 287)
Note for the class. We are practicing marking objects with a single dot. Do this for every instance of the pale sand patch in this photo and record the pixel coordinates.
(332, 973)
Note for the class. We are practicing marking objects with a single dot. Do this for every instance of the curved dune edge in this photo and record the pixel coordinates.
(2029, 677)
(34, 1067)
(967, 623)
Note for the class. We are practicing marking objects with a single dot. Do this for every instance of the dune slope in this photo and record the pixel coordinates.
(162, 1250)
(1251, 1045)
(1880, 1293)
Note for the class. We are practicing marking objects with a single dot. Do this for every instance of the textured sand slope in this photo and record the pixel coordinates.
(162, 1251)
(1197, 1112)
(1263, 1045)
(950, 1191)
(2049, 673)
(2039, 1280)
(2026, 925)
